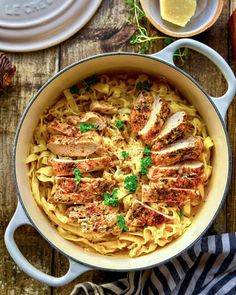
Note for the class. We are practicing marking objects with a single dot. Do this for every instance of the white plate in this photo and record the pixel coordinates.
(29, 25)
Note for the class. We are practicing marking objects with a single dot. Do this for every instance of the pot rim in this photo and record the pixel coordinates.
(33, 99)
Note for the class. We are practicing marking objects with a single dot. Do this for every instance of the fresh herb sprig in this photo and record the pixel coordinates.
(111, 199)
(89, 82)
(147, 150)
(77, 175)
(181, 214)
(131, 183)
(124, 154)
(74, 89)
(121, 223)
(181, 54)
(119, 125)
(142, 37)
(145, 85)
(145, 163)
(87, 127)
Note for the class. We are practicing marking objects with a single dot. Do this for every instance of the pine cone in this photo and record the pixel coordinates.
(7, 71)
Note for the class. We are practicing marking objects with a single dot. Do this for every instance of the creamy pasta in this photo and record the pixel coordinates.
(108, 187)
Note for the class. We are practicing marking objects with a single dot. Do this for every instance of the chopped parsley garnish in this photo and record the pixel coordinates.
(181, 214)
(74, 89)
(111, 199)
(86, 127)
(119, 124)
(77, 175)
(145, 163)
(125, 154)
(121, 223)
(89, 82)
(145, 85)
(131, 183)
(147, 151)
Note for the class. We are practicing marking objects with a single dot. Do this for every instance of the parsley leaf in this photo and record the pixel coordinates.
(181, 214)
(147, 150)
(145, 163)
(119, 124)
(145, 85)
(74, 89)
(121, 223)
(77, 175)
(168, 40)
(111, 199)
(125, 154)
(131, 183)
(89, 82)
(86, 127)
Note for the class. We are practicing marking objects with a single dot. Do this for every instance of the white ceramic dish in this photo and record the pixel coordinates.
(207, 13)
(33, 25)
(212, 110)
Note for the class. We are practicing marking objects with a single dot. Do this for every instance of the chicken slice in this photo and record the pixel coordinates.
(89, 118)
(142, 215)
(168, 195)
(173, 128)
(187, 148)
(179, 182)
(89, 189)
(64, 167)
(57, 128)
(147, 194)
(94, 217)
(185, 169)
(82, 146)
(141, 111)
(160, 111)
(103, 108)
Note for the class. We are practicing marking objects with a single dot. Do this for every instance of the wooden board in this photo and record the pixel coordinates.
(33, 69)
(107, 31)
(231, 201)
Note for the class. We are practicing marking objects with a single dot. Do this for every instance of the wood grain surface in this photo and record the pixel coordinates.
(107, 31)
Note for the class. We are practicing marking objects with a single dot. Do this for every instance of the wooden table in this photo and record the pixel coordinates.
(107, 31)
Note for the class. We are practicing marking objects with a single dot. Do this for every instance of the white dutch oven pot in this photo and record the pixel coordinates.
(212, 110)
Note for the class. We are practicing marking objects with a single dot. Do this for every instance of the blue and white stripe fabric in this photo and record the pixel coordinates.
(208, 268)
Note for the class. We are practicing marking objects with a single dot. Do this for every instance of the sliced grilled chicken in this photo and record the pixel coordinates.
(173, 128)
(160, 111)
(179, 182)
(57, 128)
(94, 217)
(148, 195)
(187, 148)
(143, 215)
(82, 146)
(103, 108)
(88, 190)
(141, 111)
(89, 118)
(187, 169)
(63, 167)
(168, 195)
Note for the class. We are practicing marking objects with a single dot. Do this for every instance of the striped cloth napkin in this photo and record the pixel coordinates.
(208, 268)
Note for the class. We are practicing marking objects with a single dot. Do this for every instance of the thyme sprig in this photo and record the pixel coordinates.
(142, 37)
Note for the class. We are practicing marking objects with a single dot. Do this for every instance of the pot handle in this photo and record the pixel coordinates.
(18, 219)
(222, 103)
